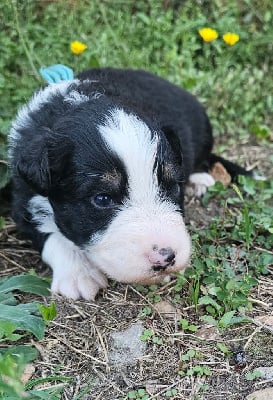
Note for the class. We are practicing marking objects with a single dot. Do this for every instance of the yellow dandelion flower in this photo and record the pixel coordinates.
(208, 34)
(77, 47)
(231, 38)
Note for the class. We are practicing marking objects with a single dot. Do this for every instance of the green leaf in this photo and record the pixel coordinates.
(6, 331)
(213, 290)
(26, 283)
(8, 298)
(190, 372)
(206, 300)
(2, 223)
(253, 375)
(226, 319)
(184, 323)
(10, 388)
(211, 310)
(209, 319)
(141, 392)
(144, 18)
(207, 371)
(47, 394)
(170, 393)
(238, 320)
(22, 316)
(52, 378)
(148, 333)
(48, 312)
(12, 364)
(27, 353)
(238, 192)
(157, 340)
(192, 328)
(223, 348)
(191, 353)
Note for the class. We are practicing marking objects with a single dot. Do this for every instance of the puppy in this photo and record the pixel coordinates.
(99, 167)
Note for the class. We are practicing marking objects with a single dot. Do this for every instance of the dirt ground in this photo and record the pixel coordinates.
(97, 343)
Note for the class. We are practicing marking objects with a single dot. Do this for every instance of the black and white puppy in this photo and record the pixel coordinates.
(99, 169)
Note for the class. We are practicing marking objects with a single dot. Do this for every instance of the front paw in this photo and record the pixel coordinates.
(76, 285)
(73, 274)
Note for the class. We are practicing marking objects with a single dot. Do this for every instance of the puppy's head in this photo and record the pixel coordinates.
(115, 185)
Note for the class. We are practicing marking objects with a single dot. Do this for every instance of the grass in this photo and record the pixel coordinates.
(232, 254)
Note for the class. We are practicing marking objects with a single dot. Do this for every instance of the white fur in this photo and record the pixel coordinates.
(130, 138)
(146, 219)
(201, 182)
(75, 98)
(122, 252)
(43, 96)
(73, 275)
(42, 214)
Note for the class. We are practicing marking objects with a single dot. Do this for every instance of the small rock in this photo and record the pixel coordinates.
(263, 394)
(266, 320)
(208, 333)
(266, 372)
(126, 346)
(28, 372)
(167, 309)
(152, 387)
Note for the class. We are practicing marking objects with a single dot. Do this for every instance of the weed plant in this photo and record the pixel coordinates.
(232, 253)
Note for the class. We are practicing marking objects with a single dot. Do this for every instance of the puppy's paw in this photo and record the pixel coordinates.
(76, 284)
(73, 274)
(200, 182)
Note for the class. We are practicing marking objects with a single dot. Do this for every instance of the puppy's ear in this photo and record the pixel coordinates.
(43, 160)
(174, 142)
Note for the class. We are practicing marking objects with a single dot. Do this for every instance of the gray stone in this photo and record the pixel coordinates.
(266, 372)
(126, 346)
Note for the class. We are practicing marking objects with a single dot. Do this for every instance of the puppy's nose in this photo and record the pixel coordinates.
(161, 258)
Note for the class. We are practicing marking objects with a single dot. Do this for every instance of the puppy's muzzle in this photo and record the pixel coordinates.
(161, 258)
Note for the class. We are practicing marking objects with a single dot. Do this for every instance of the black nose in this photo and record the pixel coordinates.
(169, 259)
(169, 253)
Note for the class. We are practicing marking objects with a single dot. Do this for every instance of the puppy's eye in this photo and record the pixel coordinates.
(103, 200)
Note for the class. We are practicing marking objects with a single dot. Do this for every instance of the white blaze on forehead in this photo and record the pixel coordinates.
(131, 139)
